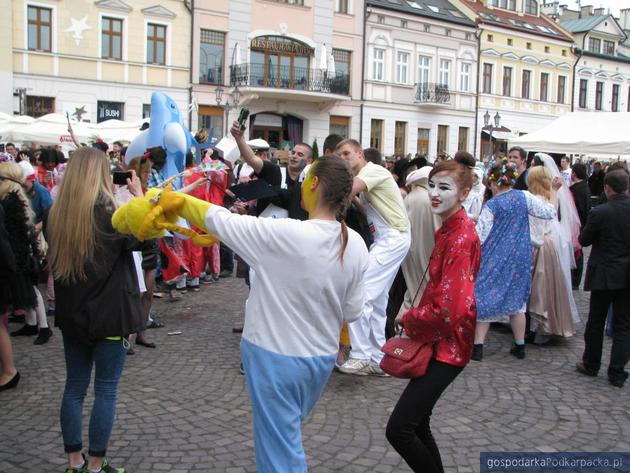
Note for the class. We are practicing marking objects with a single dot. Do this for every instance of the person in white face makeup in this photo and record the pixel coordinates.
(445, 316)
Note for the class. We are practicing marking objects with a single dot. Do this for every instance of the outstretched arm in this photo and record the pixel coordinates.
(246, 152)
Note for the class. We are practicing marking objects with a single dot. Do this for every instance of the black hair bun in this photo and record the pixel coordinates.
(465, 158)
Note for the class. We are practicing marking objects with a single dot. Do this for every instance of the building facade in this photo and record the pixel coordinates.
(98, 60)
(420, 78)
(602, 73)
(525, 69)
(296, 64)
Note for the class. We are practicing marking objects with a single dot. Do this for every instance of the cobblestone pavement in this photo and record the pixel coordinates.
(183, 407)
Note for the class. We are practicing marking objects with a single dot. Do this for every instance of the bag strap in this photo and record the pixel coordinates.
(413, 301)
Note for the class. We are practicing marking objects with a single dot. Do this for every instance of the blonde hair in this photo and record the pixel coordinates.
(71, 223)
(539, 181)
(140, 164)
(11, 177)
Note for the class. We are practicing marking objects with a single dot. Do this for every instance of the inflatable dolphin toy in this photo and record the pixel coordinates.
(166, 129)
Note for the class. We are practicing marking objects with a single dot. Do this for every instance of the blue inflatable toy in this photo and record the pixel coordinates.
(166, 129)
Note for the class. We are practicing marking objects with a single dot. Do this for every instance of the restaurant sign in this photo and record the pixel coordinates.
(281, 45)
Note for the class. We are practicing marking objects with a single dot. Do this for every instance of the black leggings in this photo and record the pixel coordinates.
(408, 428)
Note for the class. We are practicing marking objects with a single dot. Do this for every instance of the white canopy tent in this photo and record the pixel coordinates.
(10, 122)
(591, 133)
(117, 130)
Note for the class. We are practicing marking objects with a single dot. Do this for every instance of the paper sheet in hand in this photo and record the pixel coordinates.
(273, 211)
(229, 148)
(257, 189)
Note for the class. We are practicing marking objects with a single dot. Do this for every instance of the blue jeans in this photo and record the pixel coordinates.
(109, 358)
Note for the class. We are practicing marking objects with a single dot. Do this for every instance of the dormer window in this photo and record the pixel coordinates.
(531, 7)
(609, 48)
(504, 4)
(594, 45)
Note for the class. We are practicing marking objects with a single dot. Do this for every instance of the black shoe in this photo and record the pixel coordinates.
(226, 273)
(155, 324)
(477, 353)
(144, 343)
(618, 381)
(581, 368)
(130, 351)
(25, 331)
(518, 351)
(43, 337)
(12, 383)
(530, 337)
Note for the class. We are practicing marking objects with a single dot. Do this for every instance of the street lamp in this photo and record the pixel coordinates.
(491, 127)
(227, 106)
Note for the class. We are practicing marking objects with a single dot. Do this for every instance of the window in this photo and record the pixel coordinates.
(156, 44)
(447, 32)
(402, 67)
(146, 110)
(528, 45)
(490, 38)
(609, 48)
(614, 104)
(403, 24)
(109, 111)
(380, 19)
(531, 7)
(444, 72)
(629, 99)
(400, 137)
(290, 2)
(583, 92)
(547, 49)
(510, 42)
(423, 141)
(442, 139)
(487, 78)
(39, 106)
(507, 81)
(562, 83)
(342, 64)
(505, 4)
(376, 134)
(211, 118)
(211, 56)
(378, 64)
(39, 28)
(544, 86)
(427, 28)
(469, 36)
(339, 126)
(342, 6)
(111, 38)
(594, 45)
(464, 78)
(526, 80)
(599, 92)
(462, 139)
(564, 52)
(424, 65)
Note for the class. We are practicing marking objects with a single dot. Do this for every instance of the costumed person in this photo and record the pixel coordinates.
(290, 339)
(423, 223)
(98, 301)
(383, 205)
(549, 302)
(19, 223)
(444, 317)
(504, 280)
(474, 201)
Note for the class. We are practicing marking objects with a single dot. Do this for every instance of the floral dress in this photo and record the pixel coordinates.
(504, 281)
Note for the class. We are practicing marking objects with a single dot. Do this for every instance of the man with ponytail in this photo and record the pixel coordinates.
(385, 211)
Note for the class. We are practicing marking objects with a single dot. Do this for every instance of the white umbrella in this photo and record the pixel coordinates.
(237, 59)
(323, 58)
(117, 130)
(331, 66)
(9, 122)
(51, 129)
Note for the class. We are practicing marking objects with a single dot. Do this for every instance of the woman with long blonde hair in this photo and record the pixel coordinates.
(98, 300)
(20, 225)
(550, 300)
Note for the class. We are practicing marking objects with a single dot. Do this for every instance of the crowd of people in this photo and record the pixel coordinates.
(479, 242)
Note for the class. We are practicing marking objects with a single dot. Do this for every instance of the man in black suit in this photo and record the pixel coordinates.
(582, 197)
(608, 279)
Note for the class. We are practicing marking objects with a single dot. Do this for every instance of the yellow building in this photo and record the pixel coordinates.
(525, 69)
(99, 59)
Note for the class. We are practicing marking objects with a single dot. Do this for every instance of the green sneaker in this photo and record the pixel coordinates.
(107, 468)
(81, 469)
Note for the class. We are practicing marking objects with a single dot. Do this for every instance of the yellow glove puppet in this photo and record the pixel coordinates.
(150, 216)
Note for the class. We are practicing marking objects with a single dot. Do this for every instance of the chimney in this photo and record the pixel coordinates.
(599, 12)
(624, 18)
(586, 10)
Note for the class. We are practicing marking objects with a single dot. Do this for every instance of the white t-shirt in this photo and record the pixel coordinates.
(302, 292)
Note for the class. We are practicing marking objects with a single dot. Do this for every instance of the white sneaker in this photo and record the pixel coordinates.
(355, 366)
(373, 369)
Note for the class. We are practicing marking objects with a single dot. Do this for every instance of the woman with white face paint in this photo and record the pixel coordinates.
(445, 316)
(504, 281)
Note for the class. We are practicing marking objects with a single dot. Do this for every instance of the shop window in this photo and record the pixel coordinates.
(39, 28)
(442, 139)
(400, 138)
(110, 111)
(423, 142)
(376, 134)
(39, 106)
(462, 139)
(211, 118)
(211, 56)
(339, 126)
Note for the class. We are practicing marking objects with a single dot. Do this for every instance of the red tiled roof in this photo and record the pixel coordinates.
(537, 25)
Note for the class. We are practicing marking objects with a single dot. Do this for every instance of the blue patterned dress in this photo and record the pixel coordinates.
(504, 281)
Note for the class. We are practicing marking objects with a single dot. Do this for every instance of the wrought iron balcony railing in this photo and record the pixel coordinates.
(286, 77)
(432, 93)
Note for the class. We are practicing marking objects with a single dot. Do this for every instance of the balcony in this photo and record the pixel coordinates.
(290, 82)
(430, 93)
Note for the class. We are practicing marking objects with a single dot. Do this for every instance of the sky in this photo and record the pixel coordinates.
(614, 5)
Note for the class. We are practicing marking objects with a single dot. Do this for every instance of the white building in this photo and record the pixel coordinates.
(420, 78)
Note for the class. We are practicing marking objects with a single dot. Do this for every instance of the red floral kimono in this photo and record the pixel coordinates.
(447, 311)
